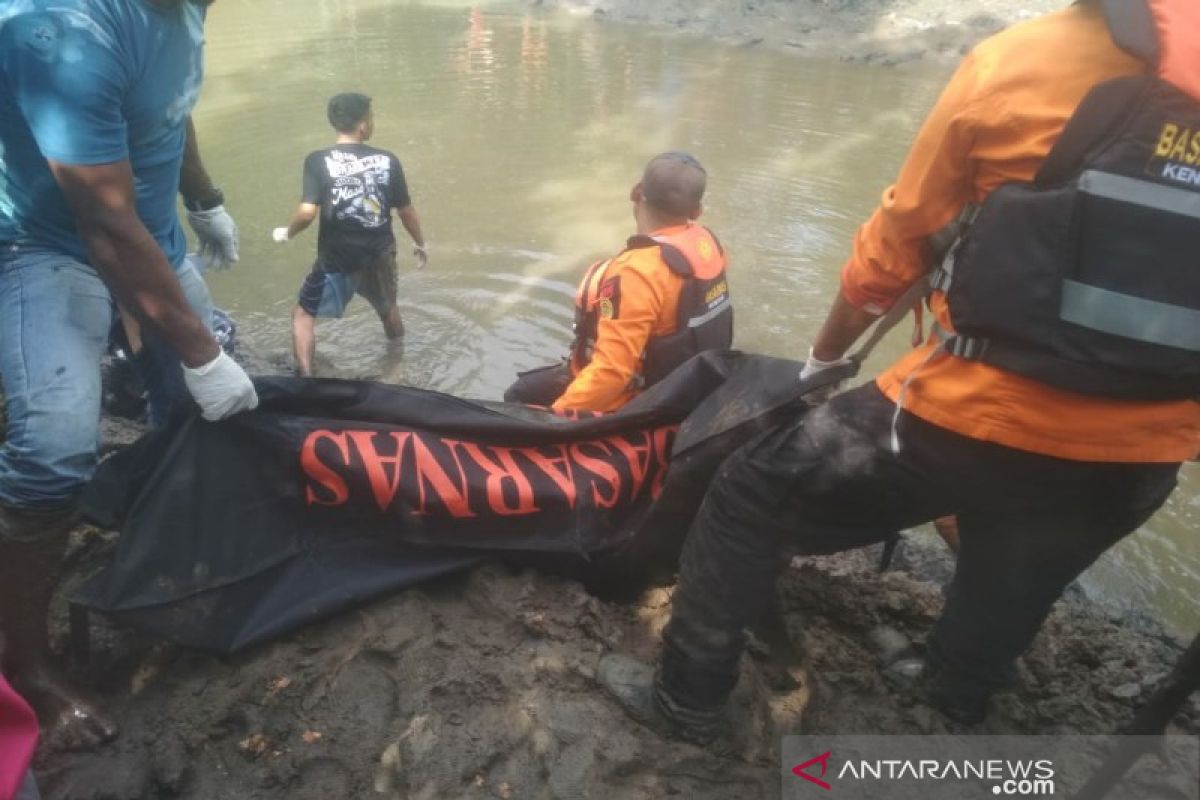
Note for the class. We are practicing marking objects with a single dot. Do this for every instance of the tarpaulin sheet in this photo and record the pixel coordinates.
(335, 492)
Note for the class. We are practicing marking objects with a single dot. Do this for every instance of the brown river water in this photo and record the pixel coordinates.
(521, 136)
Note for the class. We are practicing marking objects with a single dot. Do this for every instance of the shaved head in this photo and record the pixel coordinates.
(673, 184)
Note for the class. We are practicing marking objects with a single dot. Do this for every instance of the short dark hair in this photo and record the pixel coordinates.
(348, 109)
(674, 183)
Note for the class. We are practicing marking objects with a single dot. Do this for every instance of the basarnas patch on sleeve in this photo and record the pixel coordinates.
(608, 298)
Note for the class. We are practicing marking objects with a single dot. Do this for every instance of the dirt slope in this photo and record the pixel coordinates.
(483, 686)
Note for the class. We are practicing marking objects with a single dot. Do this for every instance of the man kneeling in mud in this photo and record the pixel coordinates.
(646, 310)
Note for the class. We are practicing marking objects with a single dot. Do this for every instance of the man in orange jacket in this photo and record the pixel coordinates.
(1043, 478)
(645, 311)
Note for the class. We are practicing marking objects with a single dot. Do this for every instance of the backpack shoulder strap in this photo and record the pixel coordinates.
(674, 258)
(1104, 111)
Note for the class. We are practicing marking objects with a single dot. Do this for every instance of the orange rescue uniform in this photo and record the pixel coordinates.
(995, 123)
(647, 306)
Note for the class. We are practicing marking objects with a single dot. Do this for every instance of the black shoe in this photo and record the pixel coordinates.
(636, 688)
(966, 708)
(960, 701)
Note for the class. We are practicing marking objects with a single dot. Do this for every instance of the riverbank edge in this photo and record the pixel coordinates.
(882, 32)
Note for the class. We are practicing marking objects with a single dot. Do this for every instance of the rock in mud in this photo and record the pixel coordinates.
(1127, 691)
(889, 644)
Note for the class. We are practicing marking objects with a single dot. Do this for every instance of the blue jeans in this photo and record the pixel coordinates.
(158, 365)
(29, 789)
(55, 317)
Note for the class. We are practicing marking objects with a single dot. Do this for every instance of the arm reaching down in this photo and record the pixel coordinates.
(205, 203)
(304, 216)
(128, 258)
(312, 192)
(412, 223)
(401, 200)
(892, 248)
(136, 271)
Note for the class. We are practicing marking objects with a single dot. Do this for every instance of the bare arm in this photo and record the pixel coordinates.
(412, 223)
(304, 216)
(194, 182)
(842, 327)
(129, 259)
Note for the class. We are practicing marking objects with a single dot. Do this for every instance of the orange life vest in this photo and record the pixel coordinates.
(705, 314)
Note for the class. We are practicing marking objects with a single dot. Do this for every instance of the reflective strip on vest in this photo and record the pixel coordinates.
(1130, 317)
(1141, 193)
(711, 314)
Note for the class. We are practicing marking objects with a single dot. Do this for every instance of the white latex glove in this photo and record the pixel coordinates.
(218, 235)
(221, 388)
(815, 366)
(422, 254)
(280, 235)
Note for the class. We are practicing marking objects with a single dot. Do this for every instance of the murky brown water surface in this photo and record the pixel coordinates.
(521, 136)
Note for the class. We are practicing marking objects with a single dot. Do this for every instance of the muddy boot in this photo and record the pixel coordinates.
(963, 700)
(28, 575)
(639, 690)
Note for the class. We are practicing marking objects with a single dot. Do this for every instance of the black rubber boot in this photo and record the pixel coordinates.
(957, 697)
(641, 693)
(966, 708)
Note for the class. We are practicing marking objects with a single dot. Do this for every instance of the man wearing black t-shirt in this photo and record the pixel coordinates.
(354, 187)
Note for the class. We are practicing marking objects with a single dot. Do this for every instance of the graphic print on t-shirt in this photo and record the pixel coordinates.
(358, 187)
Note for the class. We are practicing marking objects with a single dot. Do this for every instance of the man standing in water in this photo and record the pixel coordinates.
(1057, 398)
(648, 309)
(95, 98)
(354, 187)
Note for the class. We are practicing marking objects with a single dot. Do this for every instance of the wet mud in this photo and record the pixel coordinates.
(483, 685)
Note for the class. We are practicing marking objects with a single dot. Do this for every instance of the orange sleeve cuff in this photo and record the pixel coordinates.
(880, 269)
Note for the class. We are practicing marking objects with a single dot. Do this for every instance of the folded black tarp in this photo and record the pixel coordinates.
(335, 492)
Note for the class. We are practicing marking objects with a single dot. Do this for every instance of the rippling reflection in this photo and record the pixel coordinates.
(521, 136)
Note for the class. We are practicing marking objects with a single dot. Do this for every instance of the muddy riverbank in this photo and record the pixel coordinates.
(874, 31)
(483, 685)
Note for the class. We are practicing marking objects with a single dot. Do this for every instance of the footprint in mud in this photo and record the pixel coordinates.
(361, 703)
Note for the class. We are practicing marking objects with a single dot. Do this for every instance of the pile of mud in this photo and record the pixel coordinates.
(483, 685)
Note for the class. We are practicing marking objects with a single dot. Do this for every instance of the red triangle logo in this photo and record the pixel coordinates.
(800, 770)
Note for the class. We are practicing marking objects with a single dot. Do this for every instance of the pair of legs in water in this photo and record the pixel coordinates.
(326, 294)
